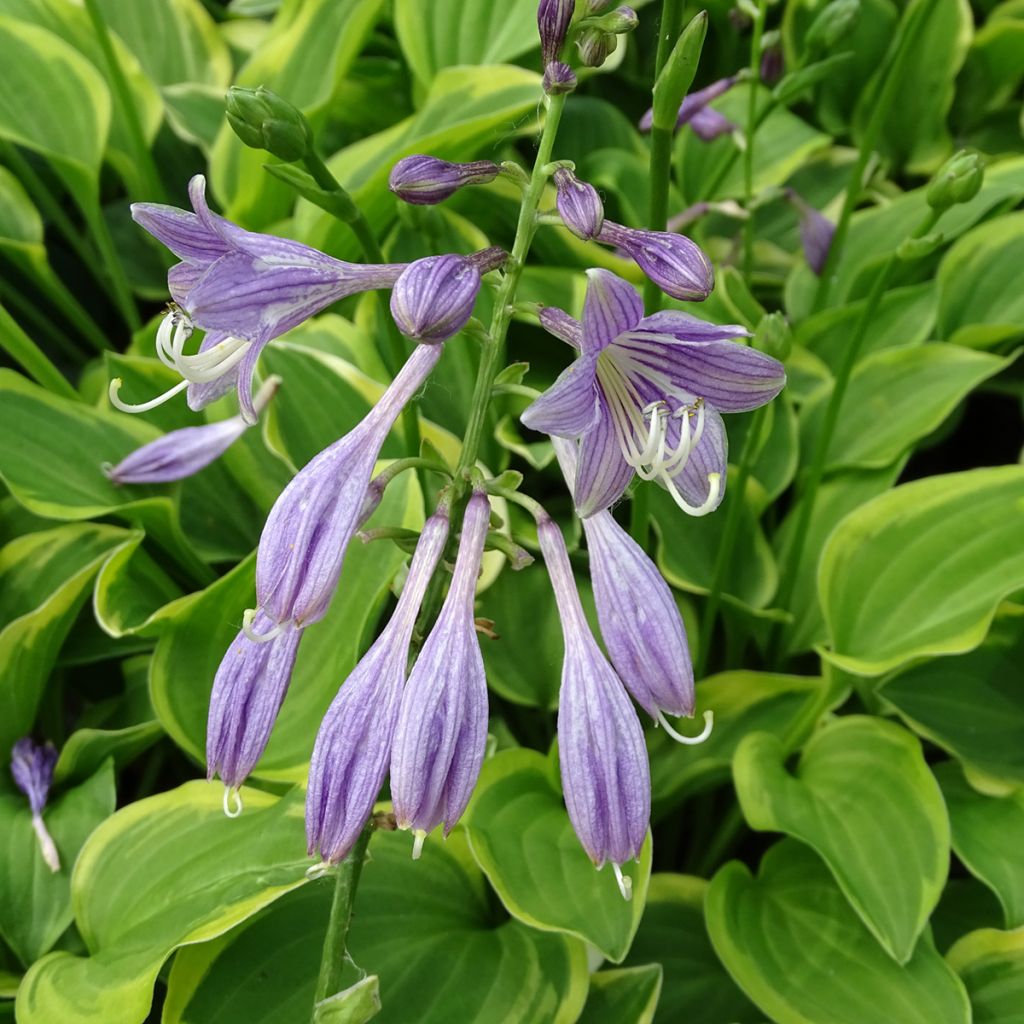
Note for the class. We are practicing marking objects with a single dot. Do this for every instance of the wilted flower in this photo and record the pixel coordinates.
(706, 122)
(674, 263)
(353, 747)
(32, 768)
(603, 759)
(181, 453)
(243, 287)
(553, 18)
(645, 396)
(426, 180)
(304, 540)
(559, 78)
(248, 689)
(442, 726)
(579, 205)
(816, 232)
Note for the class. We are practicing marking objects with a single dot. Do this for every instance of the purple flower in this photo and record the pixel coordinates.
(559, 78)
(426, 180)
(183, 452)
(553, 17)
(694, 110)
(674, 263)
(442, 726)
(32, 769)
(242, 287)
(645, 396)
(304, 540)
(603, 759)
(579, 205)
(816, 232)
(353, 747)
(773, 64)
(248, 689)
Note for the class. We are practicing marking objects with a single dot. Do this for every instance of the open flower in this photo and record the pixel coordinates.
(645, 396)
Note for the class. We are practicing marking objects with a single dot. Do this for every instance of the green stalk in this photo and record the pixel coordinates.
(93, 214)
(152, 186)
(748, 152)
(31, 358)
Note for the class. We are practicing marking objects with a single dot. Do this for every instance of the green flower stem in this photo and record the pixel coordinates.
(816, 471)
(748, 152)
(333, 958)
(152, 186)
(916, 20)
(27, 354)
(94, 219)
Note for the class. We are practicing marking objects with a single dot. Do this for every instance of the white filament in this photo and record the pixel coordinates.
(624, 881)
(259, 638)
(115, 387)
(417, 843)
(709, 723)
(47, 847)
(203, 367)
(232, 802)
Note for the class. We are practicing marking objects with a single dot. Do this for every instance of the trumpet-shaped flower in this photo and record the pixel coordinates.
(304, 540)
(602, 756)
(645, 396)
(353, 747)
(442, 726)
(426, 180)
(32, 769)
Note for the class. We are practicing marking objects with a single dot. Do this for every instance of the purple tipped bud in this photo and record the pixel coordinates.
(426, 180)
(595, 47)
(605, 776)
(579, 205)
(248, 690)
(772, 64)
(553, 17)
(304, 540)
(816, 232)
(353, 747)
(32, 769)
(674, 263)
(434, 297)
(442, 727)
(620, 21)
(559, 78)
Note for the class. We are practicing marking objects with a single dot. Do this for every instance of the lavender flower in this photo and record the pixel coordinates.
(442, 726)
(248, 690)
(559, 78)
(579, 205)
(426, 180)
(308, 529)
(674, 263)
(353, 747)
(181, 453)
(605, 776)
(32, 768)
(694, 110)
(645, 396)
(553, 18)
(816, 232)
(242, 287)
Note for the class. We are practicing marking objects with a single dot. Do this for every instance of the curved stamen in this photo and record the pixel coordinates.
(709, 722)
(624, 881)
(232, 801)
(115, 387)
(709, 504)
(259, 638)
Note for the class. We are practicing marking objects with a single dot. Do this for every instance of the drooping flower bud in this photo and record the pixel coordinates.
(958, 180)
(353, 747)
(832, 25)
(32, 769)
(442, 726)
(559, 78)
(595, 47)
(618, 22)
(263, 120)
(579, 205)
(434, 297)
(772, 64)
(674, 263)
(816, 232)
(553, 17)
(603, 759)
(426, 180)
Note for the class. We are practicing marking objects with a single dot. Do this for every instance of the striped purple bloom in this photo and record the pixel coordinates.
(579, 205)
(426, 180)
(673, 262)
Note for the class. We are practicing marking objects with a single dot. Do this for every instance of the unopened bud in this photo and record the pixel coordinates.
(263, 120)
(426, 180)
(773, 336)
(618, 22)
(553, 17)
(579, 205)
(434, 297)
(958, 181)
(595, 47)
(832, 25)
(559, 78)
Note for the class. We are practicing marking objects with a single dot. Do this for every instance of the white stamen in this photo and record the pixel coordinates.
(115, 387)
(232, 802)
(203, 367)
(315, 871)
(259, 638)
(708, 505)
(625, 883)
(47, 847)
(709, 722)
(417, 843)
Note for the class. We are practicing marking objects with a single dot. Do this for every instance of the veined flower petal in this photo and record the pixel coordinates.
(185, 234)
(564, 327)
(612, 306)
(568, 408)
(602, 474)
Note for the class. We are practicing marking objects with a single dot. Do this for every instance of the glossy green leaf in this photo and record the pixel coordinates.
(743, 702)
(921, 569)
(21, 227)
(627, 995)
(988, 835)
(695, 986)
(86, 749)
(864, 799)
(163, 872)
(971, 705)
(895, 398)
(520, 835)
(991, 965)
(796, 947)
(35, 902)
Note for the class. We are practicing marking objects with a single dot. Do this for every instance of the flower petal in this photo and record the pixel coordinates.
(182, 278)
(687, 327)
(612, 307)
(199, 396)
(602, 473)
(182, 232)
(708, 124)
(564, 327)
(568, 407)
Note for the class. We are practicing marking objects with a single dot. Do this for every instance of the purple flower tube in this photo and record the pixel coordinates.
(32, 769)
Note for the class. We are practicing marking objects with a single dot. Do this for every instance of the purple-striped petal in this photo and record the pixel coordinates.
(569, 406)
(201, 395)
(612, 307)
(182, 278)
(564, 327)
(602, 474)
(686, 327)
(185, 234)
(710, 455)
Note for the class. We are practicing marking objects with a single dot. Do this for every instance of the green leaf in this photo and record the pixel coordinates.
(882, 416)
(695, 987)
(971, 705)
(978, 304)
(793, 943)
(743, 702)
(161, 873)
(35, 902)
(991, 965)
(628, 995)
(920, 570)
(521, 837)
(864, 799)
(988, 835)
(86, 749)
